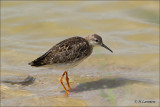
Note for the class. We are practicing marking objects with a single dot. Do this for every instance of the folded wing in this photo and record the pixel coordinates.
(67, 51)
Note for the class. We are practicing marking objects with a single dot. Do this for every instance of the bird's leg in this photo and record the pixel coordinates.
(67, 79)
(67, 92)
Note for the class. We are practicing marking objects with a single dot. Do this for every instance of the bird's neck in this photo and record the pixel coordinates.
(88, 39)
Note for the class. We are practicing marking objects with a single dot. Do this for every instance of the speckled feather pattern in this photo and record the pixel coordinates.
(71, 50)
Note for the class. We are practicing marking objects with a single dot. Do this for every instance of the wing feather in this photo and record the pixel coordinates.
(69, 50)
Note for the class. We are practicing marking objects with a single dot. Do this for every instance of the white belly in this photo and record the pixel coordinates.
(64, 66)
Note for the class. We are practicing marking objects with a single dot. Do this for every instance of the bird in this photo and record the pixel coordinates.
(68, 54)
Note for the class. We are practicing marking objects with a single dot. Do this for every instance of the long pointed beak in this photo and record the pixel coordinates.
(103, 45)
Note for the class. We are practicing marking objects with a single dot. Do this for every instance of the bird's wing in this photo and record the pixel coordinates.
(69, 50)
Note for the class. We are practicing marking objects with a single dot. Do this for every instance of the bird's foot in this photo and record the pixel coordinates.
(66, 93)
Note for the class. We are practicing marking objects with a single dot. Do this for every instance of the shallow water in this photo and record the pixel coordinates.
(130, 29)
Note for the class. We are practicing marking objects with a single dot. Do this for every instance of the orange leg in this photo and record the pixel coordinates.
(67, 79)
(67, 92)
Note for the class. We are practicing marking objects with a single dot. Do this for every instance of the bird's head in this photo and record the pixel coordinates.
(96, 40)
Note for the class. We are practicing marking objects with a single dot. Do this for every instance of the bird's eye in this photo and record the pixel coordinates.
(96, 40)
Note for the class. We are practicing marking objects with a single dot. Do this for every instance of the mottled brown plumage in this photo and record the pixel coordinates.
(70, 50)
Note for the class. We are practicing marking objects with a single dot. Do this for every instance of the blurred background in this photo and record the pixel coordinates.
(130, 73)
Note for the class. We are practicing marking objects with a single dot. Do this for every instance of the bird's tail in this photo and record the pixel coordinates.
(36, 63)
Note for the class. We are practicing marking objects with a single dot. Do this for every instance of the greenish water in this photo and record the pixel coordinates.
(130, 29)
